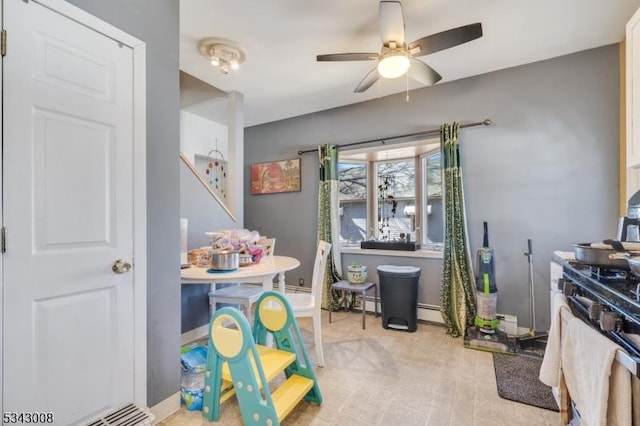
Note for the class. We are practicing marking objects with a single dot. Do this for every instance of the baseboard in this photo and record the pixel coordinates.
(165, 408)
(195, 334)
(297, 289)
(429, 313)
(426, 312)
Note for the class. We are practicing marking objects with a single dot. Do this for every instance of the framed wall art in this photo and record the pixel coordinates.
(275, 177)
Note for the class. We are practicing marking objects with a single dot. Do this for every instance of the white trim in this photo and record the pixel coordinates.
(195, 334)
(84, 18)
(425, 312)
(139, 181)
(1, 221)
(165, 408)
(235, 129)
(430, 313)
(140, 220)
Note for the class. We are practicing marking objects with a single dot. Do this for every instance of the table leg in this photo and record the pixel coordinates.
(281, 282)
(330, 308)
(267, 283)
(364, 310)
(375, 299)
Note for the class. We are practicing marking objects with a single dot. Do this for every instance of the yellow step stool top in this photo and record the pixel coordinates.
(273, 360)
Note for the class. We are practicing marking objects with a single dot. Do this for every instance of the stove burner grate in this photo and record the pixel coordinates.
(604, 274)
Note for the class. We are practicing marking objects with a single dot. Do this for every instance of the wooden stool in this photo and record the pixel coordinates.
(345, 286)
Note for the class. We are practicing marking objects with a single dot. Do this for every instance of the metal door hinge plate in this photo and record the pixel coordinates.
(3, 239)
(3, 42)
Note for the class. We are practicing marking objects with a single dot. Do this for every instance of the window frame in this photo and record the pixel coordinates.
(421, 197)
(417, 149)
(366, 198)
(424, 201)
(376, 196)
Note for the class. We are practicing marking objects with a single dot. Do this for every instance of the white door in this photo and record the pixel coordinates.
(68, 319)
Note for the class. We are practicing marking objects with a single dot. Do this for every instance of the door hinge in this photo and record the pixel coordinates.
(3, 42)
(3, 240)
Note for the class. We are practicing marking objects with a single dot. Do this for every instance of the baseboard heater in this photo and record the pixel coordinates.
(426, 311)
(129, 415)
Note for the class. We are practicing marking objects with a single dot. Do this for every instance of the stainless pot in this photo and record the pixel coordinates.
(225, 260)
(600, 255)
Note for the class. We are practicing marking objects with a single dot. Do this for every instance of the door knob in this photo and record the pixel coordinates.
(121, 266)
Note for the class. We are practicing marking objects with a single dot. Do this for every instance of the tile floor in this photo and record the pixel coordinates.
(387, 377)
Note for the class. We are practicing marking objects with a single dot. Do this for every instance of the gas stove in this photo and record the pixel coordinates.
(608, 300)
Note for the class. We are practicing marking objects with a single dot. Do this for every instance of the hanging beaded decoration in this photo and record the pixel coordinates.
(216, 172)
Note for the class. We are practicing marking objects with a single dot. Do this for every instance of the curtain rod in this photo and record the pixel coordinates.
(432, 132)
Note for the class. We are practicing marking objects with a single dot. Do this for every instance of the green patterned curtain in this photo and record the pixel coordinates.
(457, 295)
(328, 219)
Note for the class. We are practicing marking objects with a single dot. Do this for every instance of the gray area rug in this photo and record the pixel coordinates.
(517, 380)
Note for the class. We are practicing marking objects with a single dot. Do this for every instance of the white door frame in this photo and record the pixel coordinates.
(139, 185)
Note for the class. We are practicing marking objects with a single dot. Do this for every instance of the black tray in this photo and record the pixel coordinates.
(391, 245)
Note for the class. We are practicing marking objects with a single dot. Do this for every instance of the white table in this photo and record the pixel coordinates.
(264, 272)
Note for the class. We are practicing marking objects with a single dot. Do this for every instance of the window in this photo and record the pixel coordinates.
(396, 198)
(389, 191)
(432, 207)
(353, 202)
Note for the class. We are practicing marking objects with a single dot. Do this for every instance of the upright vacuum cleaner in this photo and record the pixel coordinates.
(486, 290)
(484, 334)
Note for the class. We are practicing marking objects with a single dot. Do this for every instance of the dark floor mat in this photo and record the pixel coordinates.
(517, 380)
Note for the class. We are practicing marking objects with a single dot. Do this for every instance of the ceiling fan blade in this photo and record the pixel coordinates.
(348, 57)
(391, 23)
(423, 73)
(368, 81)
(446, 39)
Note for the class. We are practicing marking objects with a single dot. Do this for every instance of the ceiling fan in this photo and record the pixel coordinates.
(397, 57)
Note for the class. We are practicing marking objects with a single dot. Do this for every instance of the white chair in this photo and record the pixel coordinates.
(268, 245)
(245, 294)
(309, 304)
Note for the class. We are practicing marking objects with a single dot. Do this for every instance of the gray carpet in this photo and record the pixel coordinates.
(517, 380)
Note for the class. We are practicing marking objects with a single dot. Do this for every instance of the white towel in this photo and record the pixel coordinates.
(550, 368)
(635, 385)
(600, 386)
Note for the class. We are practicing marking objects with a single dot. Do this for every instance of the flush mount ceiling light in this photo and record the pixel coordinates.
(223, 54)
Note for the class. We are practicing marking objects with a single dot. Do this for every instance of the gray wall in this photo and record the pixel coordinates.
(546, 170)
(159, 30)
(204, 214)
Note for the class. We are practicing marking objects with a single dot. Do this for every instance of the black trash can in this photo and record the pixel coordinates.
(399, 296)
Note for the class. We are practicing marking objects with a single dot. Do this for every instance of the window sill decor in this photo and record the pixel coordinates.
(422, 253)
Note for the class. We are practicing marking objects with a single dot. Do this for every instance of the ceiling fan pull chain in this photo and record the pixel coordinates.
(407, 82)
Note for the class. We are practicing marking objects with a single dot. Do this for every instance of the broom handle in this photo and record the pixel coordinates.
(532, 300)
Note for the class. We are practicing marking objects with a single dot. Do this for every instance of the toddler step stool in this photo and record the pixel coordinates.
(238, 363)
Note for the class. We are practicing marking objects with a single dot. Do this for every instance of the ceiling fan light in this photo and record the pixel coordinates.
(393, 66)
(234, 64)
(215, 61)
